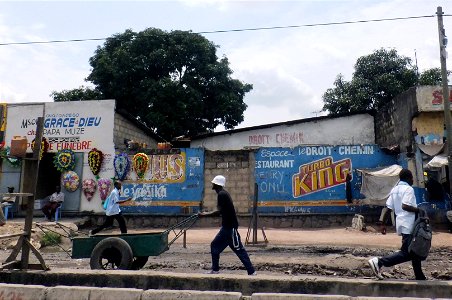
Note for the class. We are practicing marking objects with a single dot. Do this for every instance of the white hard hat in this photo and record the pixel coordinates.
(219, 180)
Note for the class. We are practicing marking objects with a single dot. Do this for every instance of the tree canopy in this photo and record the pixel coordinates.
(172, 81)
(377, 79)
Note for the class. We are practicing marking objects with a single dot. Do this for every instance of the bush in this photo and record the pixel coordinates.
(50, 239)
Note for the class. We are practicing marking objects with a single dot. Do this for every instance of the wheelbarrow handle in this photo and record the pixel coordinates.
(182, 226)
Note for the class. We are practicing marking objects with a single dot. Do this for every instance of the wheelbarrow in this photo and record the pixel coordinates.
(127, 251)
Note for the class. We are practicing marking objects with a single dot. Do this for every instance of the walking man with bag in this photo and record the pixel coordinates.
(228, 234)
(403, 202)
(112, 211)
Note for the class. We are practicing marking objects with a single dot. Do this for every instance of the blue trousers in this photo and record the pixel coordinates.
(403, 256)
(229, 237)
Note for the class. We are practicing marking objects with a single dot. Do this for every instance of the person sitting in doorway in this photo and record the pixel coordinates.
(7, 200)
(55, 201)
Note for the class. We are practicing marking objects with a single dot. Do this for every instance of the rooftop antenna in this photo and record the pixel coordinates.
(417, 69)
(316, 112)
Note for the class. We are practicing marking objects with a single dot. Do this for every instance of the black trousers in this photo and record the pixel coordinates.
(49, 209)
(229, 237)
(403, 256)
(109, 222)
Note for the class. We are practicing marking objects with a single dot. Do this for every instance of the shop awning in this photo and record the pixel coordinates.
(377, 183)
(431, 149)
(437, 162)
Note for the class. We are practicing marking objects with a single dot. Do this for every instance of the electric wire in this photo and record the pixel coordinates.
(238, 30)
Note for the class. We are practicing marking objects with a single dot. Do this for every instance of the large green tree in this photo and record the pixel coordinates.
(431, 77)
(81, 93)
(172, 81)
(377, 79)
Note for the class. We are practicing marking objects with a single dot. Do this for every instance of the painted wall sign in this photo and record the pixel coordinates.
(353, 129)
(67, 125)
(312, 179)
(430, 98)
(172, 183)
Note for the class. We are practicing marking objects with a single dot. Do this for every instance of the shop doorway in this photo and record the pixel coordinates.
(48, 177)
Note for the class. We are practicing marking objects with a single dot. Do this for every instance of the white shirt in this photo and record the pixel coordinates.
(113, 204)
(402, 193)
(57, 197)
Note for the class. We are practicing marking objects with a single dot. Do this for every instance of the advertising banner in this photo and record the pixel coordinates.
(312, 179)
(75, 125)
(171, 183)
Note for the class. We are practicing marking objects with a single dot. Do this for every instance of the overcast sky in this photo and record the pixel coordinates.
(289, 68)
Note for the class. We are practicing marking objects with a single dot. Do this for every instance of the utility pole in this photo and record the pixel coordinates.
(446, 101)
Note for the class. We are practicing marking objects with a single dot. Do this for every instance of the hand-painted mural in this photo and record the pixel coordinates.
(171, 183)
(69, 126)
(312, 179)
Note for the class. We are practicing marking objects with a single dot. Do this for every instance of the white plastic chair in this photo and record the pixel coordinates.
(58, 212)
(8, 209)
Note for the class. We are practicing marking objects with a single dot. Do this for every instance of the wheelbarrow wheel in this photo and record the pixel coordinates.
(139, 262)
(111, 253)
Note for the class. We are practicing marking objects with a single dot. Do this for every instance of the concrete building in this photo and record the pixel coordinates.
(79, 126)
(299, 167)
(412, 124)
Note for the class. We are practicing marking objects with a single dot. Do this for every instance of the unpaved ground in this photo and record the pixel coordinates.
(339, 252)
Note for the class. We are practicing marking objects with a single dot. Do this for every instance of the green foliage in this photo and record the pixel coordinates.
(81, 93)
(431, 77)
(50, 239)
(171, 81)
(377, 79)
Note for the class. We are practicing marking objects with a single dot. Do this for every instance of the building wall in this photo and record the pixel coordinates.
(346, 130)
(124, 129)
(237, 167)
(393, 122)
(430, 98)
(428, 128)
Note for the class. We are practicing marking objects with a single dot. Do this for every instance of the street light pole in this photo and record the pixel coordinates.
(446, 101)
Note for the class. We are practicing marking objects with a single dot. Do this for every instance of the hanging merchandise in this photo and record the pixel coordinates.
(70, 181)
(122, 165)
(104, 187)
(95, 158)
(64, 160)
(5, 153)
(89, 188)
(140, 164)
(44, 146)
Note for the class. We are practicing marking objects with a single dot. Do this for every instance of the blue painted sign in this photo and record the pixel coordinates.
(173, 183)
(312, 179)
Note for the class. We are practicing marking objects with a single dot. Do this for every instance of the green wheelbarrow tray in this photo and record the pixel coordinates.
(127, 251)
(142, 244)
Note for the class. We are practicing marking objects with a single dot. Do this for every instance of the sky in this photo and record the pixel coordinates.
(290, 68)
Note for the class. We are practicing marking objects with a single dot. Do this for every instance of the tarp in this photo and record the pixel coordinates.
(437, 162)
(377, 183)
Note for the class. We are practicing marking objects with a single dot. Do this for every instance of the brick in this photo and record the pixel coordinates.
(23, 292)
(189, 294)
(115, 293)
(222, 165)
(68, 293)
(277, 296)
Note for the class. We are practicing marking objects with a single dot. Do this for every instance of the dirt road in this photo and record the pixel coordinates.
(339, 252)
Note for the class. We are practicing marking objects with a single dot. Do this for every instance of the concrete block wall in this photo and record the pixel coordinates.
(236, 167)
(393, 122)
(125, 129)
(41, 292)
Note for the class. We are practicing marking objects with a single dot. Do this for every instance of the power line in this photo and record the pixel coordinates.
(239, 30)
(319, 24)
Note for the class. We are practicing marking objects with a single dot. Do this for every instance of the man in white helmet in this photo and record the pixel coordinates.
(228, 234)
